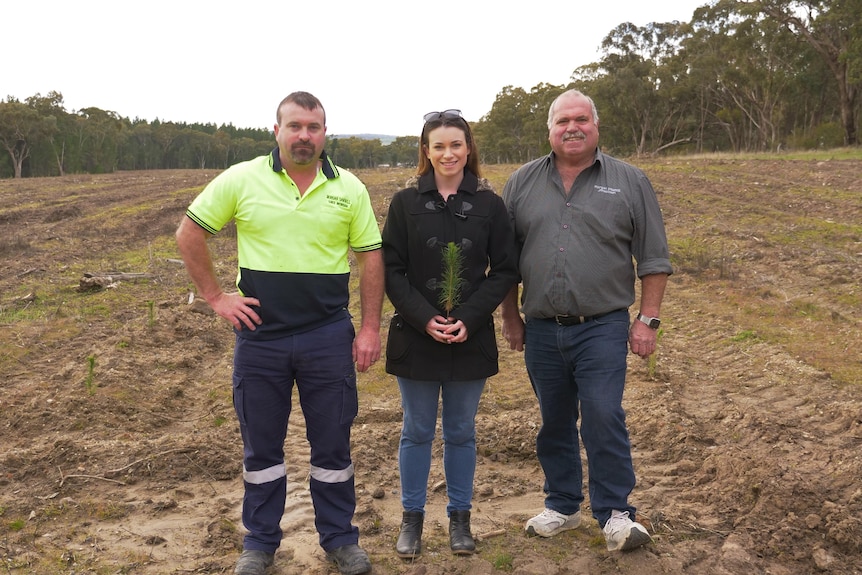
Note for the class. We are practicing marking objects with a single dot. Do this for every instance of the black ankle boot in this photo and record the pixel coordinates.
(409, 542)
(460, 538)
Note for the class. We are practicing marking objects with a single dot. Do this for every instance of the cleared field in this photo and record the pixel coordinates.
(121, 453)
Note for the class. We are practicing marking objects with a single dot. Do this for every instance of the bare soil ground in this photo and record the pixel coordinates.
(120, 453)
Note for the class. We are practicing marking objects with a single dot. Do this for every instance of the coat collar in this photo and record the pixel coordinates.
(470, 184)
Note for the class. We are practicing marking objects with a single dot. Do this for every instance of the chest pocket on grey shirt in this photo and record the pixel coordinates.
(605, 215)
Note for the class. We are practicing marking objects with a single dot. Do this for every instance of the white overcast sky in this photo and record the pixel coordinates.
(377, 65)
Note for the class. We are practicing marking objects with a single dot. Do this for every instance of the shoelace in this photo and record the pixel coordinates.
(618, 520)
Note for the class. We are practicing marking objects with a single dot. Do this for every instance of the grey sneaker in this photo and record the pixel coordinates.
(549, 522)
(253, 562)
(350, 559)
(623, 534)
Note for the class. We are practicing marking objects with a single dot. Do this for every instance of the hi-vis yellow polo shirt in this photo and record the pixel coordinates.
(292, 249)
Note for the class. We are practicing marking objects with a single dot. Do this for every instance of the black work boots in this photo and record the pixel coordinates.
(460, 538)
(409, 544)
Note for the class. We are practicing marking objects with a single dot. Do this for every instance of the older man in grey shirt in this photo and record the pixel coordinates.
(581, 217)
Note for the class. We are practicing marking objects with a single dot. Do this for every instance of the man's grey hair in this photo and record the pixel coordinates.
(568, 93)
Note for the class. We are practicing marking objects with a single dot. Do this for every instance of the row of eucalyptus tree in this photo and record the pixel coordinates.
(41, 138)
(742, 75)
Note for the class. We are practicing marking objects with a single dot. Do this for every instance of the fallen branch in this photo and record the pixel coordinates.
(106, 476)
(92, 282)
(205, 472)
(26, 299)
(141, 460)
(120, 276)
(697, 528)
(658, 150)
(29, 271)
(489, 534)
(63, 478)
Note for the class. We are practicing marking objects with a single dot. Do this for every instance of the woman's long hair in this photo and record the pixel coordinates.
(443, 120)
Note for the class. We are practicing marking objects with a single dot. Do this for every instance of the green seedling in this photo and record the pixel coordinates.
(452, 280)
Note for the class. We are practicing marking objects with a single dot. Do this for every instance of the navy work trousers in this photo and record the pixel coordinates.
(320, 363)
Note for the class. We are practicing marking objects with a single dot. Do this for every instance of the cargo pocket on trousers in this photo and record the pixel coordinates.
(239, 399)
(349, 400)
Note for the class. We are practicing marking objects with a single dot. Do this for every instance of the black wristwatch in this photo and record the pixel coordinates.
(652, 322)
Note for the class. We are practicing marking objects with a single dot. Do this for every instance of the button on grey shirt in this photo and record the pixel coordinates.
(577, 246)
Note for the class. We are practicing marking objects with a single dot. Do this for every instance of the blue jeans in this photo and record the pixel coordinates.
(419, 399)
(580, 370)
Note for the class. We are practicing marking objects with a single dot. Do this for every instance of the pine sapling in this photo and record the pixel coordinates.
(452, 281)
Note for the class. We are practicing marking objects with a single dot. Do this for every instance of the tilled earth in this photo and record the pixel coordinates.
(120, 453)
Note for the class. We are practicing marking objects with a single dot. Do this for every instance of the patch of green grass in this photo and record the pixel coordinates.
(811, 233)
(849, 299)
(697, 255)
(804, 308)
(690, 254)
(503, 561)
(146, 258)
(843, 153)
(745, 335)
(105, 510)
(23, 313)
(597, 542)
(54, 510)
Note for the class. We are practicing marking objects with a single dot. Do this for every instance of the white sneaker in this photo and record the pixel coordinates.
(549, 522)
(623, 534)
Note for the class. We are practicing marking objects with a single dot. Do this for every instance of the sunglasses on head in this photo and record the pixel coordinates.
(432, 116)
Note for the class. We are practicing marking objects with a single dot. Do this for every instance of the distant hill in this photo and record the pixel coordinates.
(384, 139)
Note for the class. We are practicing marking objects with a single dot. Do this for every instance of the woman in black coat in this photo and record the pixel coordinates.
(434, 351)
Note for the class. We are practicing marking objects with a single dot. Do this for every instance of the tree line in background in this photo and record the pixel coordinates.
(743, 75)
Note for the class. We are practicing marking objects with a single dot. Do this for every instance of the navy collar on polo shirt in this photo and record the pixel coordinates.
(328, 167)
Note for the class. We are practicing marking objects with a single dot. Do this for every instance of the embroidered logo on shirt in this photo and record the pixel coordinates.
(339, 201)
(606, 190)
